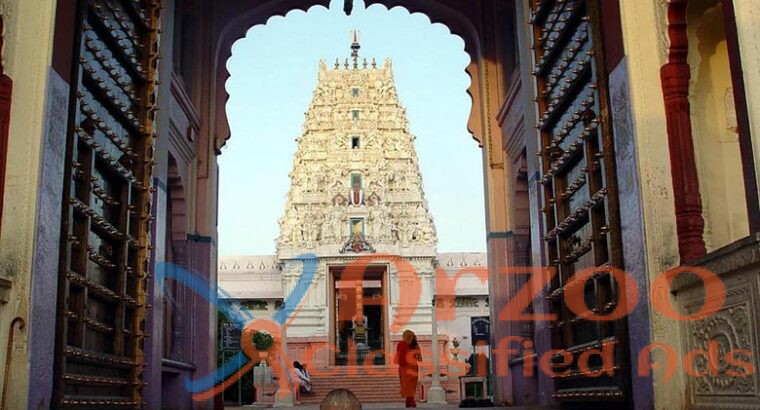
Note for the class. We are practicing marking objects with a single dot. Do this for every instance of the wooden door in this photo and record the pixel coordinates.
(580, 208)
(106, 214)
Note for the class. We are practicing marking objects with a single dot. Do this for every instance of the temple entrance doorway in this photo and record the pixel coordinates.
(359, 316)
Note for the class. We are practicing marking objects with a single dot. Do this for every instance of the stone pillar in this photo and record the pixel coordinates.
(675, 76)
(284, 397)
(436, 394)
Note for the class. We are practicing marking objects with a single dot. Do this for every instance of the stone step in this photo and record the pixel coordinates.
(379, 386)
(368, 388)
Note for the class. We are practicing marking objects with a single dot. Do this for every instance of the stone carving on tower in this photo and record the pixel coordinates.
(355, 190)
(355, 181)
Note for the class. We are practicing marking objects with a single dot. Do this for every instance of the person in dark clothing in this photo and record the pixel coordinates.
(478, 364)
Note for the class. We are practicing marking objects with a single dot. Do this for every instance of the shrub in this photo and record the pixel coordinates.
(262, 341)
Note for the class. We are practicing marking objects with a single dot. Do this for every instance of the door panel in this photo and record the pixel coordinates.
(106, 214)
(579, 194)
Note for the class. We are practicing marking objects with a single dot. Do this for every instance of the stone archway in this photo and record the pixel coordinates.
(235, 28)
(192, 208)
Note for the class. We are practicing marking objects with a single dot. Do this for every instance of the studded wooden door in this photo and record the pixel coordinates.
(106, 214)
(582, 230)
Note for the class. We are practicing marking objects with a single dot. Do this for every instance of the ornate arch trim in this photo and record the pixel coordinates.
(233, 30)
(462, 27)
(236, 28)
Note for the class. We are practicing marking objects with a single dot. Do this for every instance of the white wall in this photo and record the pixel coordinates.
(460, 326)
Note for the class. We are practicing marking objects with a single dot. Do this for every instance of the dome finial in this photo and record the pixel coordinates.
(355, 46)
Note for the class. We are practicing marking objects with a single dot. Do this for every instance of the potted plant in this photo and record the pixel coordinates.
(455, 368)
(263, 341)
(455, 349)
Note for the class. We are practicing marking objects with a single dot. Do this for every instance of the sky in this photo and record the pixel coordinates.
(273, 75)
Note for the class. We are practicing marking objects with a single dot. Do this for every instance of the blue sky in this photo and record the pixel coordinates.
(274, 72)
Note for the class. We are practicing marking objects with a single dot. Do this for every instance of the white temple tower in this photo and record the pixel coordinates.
(356, 190)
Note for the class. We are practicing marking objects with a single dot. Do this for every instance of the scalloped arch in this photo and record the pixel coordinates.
(238, 22)
(458, 25)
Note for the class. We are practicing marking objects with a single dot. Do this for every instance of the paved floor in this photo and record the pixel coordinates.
(390, 406)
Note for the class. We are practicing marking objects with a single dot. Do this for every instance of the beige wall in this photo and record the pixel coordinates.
(714, 127)
(747, 22)
(26, 57)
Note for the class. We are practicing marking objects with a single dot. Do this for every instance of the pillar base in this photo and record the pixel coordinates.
(283, 399)
(436, 395)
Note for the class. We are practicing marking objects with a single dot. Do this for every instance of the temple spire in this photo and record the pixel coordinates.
(355, 46)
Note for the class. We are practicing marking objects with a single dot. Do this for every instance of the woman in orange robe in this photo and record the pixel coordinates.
(407, 357)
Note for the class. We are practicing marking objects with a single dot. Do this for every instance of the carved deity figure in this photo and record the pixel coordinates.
(428, 235)
(405, 233)
(336, 218)
(325, 231)
(316, 230)
(416, 232)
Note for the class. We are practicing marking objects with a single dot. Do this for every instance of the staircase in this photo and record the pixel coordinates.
(380, 387)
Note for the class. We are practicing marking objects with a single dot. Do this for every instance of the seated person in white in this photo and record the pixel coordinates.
(304, 378)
